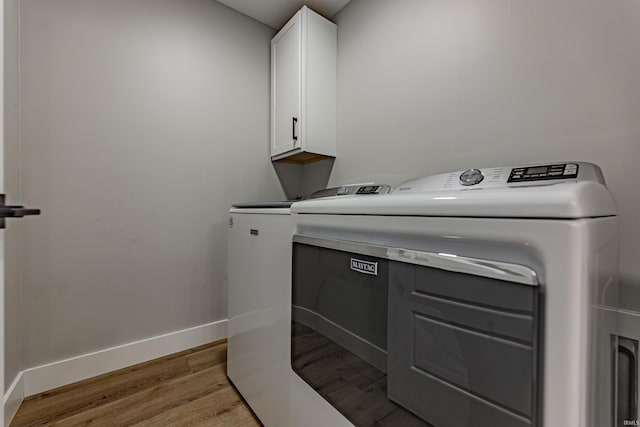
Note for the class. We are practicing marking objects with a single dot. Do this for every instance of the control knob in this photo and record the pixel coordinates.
(471, 177)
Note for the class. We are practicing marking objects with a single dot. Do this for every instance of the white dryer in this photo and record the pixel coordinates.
(484, 297)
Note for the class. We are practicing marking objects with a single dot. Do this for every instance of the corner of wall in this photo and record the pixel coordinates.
(13, 398)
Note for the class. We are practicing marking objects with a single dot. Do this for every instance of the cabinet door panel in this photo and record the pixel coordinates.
(286, 86)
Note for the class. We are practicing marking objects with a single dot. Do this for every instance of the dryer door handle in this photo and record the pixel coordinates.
(506, 271)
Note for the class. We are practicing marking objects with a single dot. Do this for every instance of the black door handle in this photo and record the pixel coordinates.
(7, 211)
(293, 128)
(17, 211)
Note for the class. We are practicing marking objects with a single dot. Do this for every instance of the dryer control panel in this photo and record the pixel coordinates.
(544, 173)
(505, 176)
(566, 189)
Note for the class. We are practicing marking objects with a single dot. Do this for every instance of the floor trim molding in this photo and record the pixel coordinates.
(63, 372)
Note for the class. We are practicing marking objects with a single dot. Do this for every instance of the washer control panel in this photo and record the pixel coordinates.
(352, 190)
(544, 173)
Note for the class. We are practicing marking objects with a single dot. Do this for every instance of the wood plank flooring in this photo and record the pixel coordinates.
(187, 388)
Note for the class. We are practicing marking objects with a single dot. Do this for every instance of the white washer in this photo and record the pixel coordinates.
(259, 275)
(539, 242)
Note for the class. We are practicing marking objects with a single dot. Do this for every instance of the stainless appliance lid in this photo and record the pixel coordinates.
(345, 190)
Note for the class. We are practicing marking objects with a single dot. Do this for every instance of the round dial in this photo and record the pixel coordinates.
(471, 177)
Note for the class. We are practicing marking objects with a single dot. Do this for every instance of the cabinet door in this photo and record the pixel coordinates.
(285, 88)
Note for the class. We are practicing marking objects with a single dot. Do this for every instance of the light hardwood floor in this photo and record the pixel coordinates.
(188, 388)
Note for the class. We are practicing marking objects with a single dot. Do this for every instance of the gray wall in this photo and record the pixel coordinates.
(12, 190)
(430, 86)
(141, 122)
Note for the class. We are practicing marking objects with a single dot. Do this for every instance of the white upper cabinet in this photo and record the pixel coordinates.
(303, 89)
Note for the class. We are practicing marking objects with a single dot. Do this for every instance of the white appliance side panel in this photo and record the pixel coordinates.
(568, 283)
(259, 269)
(602, 254)
(259, 341)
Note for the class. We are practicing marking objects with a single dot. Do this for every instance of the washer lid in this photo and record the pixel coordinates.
(560, 190)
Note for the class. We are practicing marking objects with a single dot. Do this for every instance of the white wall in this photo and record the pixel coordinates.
(430, 86)
(141, 122)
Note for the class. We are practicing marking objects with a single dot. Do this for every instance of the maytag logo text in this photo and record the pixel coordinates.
(366, 267)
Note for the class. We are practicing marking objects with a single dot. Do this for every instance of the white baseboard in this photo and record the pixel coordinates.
(52, 375)
(13, 398)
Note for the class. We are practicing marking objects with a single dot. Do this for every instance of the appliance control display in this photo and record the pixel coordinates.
(368, 189)
(543, 173)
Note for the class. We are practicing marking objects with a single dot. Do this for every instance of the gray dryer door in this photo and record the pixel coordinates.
(393, 336)
(463, 349)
